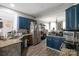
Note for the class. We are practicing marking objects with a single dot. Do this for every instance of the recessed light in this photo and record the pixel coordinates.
(12, 5)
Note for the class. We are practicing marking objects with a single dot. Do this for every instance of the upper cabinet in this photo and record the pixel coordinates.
(68, 19)
(72, 22)
(77, 16)
(72, 18)
(24, 23)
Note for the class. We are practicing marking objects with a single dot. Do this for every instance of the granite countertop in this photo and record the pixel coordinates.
(4, 43)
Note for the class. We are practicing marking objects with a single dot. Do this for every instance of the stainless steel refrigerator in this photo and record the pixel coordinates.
(35, 31)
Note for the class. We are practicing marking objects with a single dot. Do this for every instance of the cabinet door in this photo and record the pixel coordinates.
(68, 19)
(24, 23)
(48, 41)
(73, 18)
(20, 23)
(77, 16)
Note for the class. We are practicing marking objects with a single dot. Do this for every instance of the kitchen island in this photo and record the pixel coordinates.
(13, 46)
(55, 42)
(10, 47)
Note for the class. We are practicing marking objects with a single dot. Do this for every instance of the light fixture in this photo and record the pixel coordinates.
(12, 5)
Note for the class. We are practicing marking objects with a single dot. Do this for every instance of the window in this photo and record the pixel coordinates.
(53, 25)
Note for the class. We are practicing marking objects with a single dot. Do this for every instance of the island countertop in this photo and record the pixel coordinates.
(4, 43)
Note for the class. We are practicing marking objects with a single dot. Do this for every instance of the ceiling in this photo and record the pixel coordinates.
(55, 13)
(33, 9)
(41, 9)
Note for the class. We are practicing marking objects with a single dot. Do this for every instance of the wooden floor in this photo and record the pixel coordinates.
(39, 50)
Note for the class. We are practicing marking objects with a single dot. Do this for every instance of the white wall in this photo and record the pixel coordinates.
(10, 15)
(52, 19)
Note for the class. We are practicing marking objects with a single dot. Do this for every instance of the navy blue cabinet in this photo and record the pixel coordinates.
(54, 42)
(77, 16)
(70, 18)
(49, 43)
(72, 22)
(24, 23)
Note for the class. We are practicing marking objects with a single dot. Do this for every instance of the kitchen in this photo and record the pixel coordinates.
(38, 29)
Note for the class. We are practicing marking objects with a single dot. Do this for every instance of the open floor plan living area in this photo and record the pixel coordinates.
(39, 29)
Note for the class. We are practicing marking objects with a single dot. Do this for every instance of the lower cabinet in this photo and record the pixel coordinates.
(26, 41)
(49, 43)
(55, 42)
(11, 50)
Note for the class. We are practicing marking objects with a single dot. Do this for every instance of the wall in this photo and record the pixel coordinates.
(9, 18)
(53, 14)
(52, 19)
